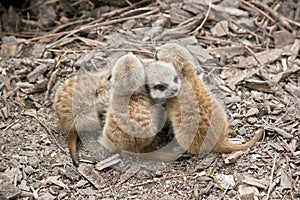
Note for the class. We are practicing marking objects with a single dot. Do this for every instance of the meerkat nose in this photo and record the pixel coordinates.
(175, 89)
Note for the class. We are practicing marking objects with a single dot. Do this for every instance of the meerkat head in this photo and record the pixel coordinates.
(176, 54)
(128, 74)
(162, 80)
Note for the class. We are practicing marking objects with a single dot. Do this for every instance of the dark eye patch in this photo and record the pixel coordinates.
(160, 87)
(176, 79)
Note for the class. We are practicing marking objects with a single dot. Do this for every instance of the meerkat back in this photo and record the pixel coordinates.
(78, 102)
(199, 122)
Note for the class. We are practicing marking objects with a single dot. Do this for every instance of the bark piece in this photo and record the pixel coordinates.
(232, 158)
(283, 38)
(247, 192)
(111, 161)
(91, 175)
(129, 173)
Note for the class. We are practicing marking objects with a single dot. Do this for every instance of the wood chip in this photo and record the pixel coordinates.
(232, 158)
(111, 161)
(255, 182)
(264, 57)
(252, 111)
(91, 175)
(220, 29)
(247, 192)
(285, 180)
(39, 71)
(283, 38)
(280, 132)
(129, 173)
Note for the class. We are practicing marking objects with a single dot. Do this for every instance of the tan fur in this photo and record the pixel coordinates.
(78, 102)
(199, 122)
(130, 125)
(133, 120)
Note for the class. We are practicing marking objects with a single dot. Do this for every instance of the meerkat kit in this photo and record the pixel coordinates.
(198, 120)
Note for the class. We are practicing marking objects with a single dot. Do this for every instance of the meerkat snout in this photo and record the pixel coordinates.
(175, 89)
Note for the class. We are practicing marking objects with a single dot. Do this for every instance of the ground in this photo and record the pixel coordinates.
(248, 54)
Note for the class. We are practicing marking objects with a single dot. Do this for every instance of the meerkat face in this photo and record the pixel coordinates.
(162, 80)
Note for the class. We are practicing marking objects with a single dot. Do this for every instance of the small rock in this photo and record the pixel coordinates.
(227, 181)
(23, 186)
(252, 120)
(14, 174)
(128, 25)
(29, 170)
(220, 29)
(7, 189)
(36, 184)
(34, 162)
(9, 47)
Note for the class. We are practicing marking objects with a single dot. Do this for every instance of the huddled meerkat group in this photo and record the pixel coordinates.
(130, 102)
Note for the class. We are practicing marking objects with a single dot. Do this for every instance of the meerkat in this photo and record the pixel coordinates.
(199, 122)
(80, 104)
(135, 113)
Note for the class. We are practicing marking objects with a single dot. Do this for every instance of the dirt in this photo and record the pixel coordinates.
(248, 54)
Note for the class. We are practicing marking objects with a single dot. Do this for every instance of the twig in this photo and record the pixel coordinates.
(10, 125)
(88, 27)
(253, 54)
(248, 31)
(127, 1)
(283, 20)
(118, 11)
(258, 10)
(47, 130)
(271, 177)
(204, 20)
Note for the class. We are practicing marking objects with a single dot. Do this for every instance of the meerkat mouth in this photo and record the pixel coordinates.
(174, 94)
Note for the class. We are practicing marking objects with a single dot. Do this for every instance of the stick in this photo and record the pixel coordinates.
(204, 20)
(258, 10)
(271, 178)
(47, 130)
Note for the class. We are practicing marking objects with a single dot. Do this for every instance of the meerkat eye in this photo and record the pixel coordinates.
(176, 79)
(160, 87)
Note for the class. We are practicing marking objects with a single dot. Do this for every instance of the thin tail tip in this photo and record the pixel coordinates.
(75, 159)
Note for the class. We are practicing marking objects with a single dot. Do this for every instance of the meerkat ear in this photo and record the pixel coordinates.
(128, 74)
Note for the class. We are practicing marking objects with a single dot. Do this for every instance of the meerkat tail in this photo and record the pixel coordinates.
(72, 138)
(224, 146)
